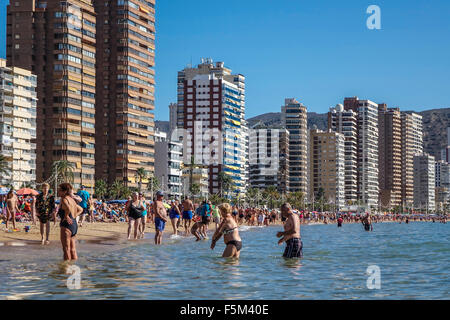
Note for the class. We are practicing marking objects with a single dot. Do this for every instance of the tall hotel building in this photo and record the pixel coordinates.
(390, 156)
(327, 166)
(294, 119)
(269, 158)
(18, 125)
(424, 182)
(367, 149)
(56, 40)
(346, 122)
(125, 89)
(211, 110)
(412, 144)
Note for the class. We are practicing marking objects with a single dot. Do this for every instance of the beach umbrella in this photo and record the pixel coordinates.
(3, 191)
(27, 191)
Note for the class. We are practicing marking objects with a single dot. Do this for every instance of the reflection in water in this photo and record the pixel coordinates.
(190, 270)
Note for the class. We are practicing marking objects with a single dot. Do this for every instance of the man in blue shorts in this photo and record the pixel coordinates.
(188, 207)
(84, 203)
(161, 218)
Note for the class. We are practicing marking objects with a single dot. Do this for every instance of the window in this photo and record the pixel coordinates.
(17, 46)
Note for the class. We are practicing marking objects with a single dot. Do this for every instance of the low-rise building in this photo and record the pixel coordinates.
(168, 160)
(18, 125)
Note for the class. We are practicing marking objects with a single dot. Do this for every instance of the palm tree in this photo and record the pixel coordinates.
(195, 189)
(296, 199)
(64, 171)
(271, 194)
(4, 166)
(115, 190)
(226, 183)
(125, 192)
(101, 188)
(215, 199)
(251, 196)
(192, 166)
(153, 184)
(140, 175)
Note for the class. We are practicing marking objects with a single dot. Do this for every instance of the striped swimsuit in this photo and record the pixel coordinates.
(294, 248)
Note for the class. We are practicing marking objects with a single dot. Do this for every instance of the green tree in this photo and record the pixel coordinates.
(115, 190)
(250, 196)
(296, 199)
(125, 192)
(272, 195)
(152, 185)
(216, 199)
(64, 171)
(101, 188)
(192, 166)
(195, 189)
(140, 175)
(226, 183)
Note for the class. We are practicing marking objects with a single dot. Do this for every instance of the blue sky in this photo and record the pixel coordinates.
(316, 51)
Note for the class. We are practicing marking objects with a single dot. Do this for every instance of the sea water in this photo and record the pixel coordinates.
(413, 261)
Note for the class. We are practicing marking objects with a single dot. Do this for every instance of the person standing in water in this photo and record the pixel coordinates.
(367, 223)
(229, 229)
(291, 234)
(68, 212)
(174, 215)
(135, 208)
(188, 208)
(45, 208)
(339, 222)
(144, 216)
(161, 218)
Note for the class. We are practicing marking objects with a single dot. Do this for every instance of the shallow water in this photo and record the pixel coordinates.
(413, 259)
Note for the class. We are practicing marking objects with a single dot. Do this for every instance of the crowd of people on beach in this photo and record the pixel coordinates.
(186, 217)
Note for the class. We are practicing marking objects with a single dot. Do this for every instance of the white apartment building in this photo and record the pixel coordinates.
(424, 182)
(168, 162)
(346, 123)
(412, 145)
(18, 124)
(211, 111)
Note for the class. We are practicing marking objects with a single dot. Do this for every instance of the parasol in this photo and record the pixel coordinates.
(26, 192)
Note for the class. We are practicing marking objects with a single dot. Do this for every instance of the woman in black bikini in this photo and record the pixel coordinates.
(68, 212)
(135, 209)
(229, 229)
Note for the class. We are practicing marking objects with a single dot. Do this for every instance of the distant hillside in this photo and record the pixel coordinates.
(274, 119)
(435, 123)
(162, 126)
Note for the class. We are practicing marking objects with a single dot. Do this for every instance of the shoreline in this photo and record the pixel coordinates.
(106, 232)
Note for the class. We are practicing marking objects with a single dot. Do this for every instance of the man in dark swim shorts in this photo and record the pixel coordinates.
(291, 235)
